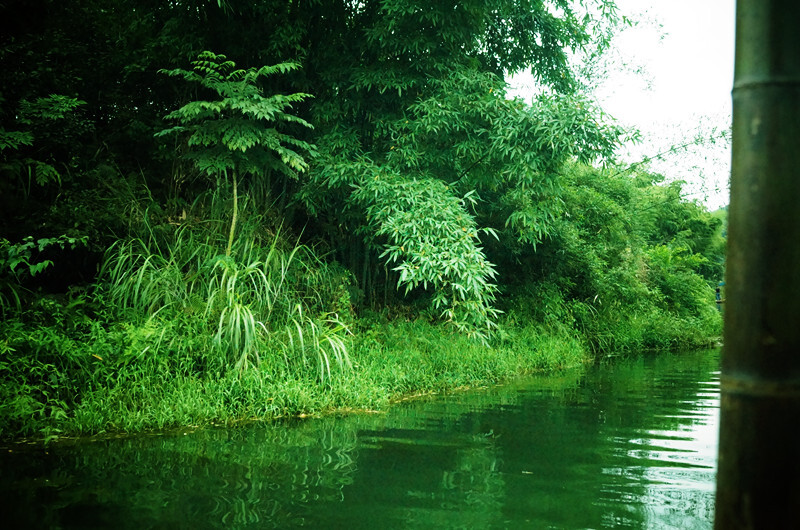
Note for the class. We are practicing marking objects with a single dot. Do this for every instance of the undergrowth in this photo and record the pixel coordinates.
(176, 332)
(154, 375)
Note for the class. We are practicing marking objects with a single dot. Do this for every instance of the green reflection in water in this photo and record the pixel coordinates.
(631, 445)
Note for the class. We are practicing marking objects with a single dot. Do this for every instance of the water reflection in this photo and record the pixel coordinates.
(626, 446)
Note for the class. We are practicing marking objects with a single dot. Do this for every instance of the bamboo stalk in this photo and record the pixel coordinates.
(758, 480)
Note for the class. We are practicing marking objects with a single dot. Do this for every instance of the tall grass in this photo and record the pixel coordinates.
(323, 339)
(260, 304)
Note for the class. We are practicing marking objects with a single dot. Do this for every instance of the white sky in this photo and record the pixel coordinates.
(683, 50)
(689, 59)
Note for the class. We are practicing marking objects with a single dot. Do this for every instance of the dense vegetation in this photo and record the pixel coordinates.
(214, 212)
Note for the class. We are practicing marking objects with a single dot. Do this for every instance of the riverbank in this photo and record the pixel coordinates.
(109, 383)
(192, 318)
(515, 455)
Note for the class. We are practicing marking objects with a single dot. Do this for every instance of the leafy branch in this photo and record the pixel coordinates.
(237, 133)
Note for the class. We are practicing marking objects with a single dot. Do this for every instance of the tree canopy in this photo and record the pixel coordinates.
(386, 137)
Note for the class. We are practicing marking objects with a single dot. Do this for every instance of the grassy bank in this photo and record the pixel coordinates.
(176, 331)
(122, 377)
(129, 378)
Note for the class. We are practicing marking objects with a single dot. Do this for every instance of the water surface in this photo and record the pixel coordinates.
(629, 445)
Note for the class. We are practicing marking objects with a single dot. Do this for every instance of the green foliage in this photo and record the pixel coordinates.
(462, 155)
(430, 197)
(499, 35)
(255, 300)
(409, 357)
(421, 98)
(471, 137)
(53, 107)
(232, 132)
(26, 168)
(434, 241)
(673, 271)
(624, 292)
(14, 139)
(42, 366)
(18, 263)
(664, 218)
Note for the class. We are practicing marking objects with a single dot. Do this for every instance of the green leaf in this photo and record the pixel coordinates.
(14, 139)
(239, 129)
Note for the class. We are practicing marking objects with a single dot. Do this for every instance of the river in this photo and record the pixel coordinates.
(630, 444)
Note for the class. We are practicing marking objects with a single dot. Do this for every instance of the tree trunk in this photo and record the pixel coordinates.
(758, 480)
(234, 216)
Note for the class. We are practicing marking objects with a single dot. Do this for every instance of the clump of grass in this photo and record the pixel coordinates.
(254, 301)
(407, 357)
(611, 333)
(322, 338)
